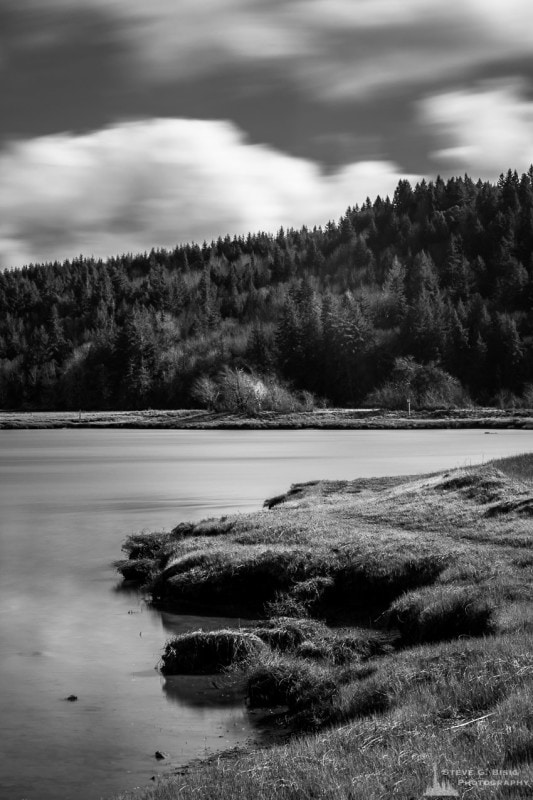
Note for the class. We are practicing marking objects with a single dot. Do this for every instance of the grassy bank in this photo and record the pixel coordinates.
(336, 418)
(396, 633)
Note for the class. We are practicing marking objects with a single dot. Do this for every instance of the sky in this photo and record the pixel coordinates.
(132, 124)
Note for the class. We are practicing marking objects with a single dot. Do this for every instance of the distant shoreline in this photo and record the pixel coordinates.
(330, 419)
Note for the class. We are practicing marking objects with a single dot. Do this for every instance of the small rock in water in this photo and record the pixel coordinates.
(159, 755)
(71, 698)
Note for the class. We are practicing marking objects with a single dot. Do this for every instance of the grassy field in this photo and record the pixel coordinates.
(395, 634)
(335, 418)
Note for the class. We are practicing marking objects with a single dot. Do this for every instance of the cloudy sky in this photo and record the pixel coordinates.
(127, 124)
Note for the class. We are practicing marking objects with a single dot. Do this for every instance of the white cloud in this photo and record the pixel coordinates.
(486, 131)
(509, 22)
(151, 183)
(335, 48)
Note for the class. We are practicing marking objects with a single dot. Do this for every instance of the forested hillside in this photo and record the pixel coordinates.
(427, 295)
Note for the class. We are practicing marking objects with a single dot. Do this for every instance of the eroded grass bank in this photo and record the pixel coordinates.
(395, 632)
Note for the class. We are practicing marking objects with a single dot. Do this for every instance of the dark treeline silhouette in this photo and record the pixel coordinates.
(427, 295)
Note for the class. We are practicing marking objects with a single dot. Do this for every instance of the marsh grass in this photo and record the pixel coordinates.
(147, 554)
(208, 652)
(433, 663)
(460, 705)
(288, 633)
(519, 467)
(306, 688)
(442, 612)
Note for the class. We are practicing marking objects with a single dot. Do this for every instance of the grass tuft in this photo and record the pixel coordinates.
(305, 689)
(208, 652)
(441, 612)
(285, 633)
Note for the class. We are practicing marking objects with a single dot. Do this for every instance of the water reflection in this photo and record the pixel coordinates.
(203, 691)
(175, 624)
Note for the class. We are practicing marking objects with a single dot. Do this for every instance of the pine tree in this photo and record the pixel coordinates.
(394, 294)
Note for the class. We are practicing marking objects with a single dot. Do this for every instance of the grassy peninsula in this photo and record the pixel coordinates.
(394, 633)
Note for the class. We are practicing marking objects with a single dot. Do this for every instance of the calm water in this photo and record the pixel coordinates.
(67, 501)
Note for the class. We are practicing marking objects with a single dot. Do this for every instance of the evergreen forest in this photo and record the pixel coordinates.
(427, 295)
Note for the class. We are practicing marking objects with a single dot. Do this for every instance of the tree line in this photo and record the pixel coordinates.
(427, 295)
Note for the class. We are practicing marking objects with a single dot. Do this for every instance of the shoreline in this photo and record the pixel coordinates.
(329, 419)
(360, 588)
